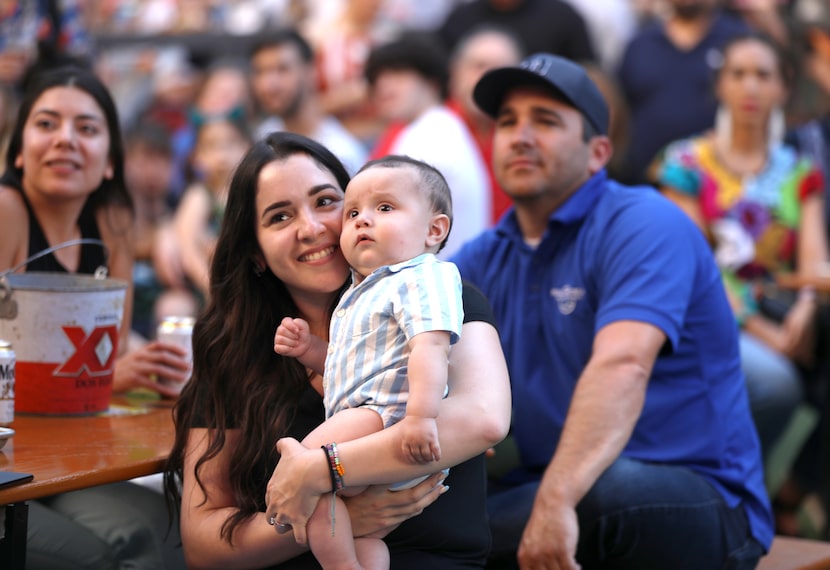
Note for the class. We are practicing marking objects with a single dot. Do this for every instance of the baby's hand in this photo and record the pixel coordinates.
(293, 337)
(420, 439)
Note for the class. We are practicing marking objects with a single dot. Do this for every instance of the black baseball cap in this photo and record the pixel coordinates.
(568, 79)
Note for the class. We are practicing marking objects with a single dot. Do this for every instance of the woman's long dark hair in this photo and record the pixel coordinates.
(238, 381)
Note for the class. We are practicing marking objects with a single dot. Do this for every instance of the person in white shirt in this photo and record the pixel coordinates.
(408, 80)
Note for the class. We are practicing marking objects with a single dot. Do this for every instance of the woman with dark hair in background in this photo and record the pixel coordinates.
(64, 180)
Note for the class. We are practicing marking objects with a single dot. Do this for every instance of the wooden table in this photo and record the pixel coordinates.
(70, 453)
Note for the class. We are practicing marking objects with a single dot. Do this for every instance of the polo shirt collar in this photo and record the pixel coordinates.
(575, 208)
(581, 202)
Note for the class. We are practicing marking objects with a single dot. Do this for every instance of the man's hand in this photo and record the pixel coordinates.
(550, 537)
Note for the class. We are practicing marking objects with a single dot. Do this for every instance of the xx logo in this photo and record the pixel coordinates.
(94, 353)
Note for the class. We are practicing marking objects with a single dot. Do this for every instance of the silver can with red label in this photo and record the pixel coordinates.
(178, 331)
(7, 373)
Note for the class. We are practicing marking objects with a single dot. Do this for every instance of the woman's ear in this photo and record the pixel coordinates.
(439, 227)
(258, 263)
(18, 161)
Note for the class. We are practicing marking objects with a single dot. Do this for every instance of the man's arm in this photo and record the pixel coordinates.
(606, 404)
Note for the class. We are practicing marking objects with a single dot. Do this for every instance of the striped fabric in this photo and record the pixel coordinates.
(371, 327)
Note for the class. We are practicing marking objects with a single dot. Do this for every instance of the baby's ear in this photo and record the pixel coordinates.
(439, 227)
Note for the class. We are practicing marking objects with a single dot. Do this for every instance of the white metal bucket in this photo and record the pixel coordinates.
(64, 330)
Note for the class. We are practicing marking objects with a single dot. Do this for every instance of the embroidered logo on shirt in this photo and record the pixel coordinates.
(567, 297)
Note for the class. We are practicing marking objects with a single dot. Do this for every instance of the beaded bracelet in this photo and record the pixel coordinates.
(335, 467)
(336, 471)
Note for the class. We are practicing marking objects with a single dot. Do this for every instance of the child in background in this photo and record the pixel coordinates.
(149, 173)
(221, 140)
(390, 334)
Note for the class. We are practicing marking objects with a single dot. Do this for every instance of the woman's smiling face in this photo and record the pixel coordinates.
(66, 145)
(299, 206)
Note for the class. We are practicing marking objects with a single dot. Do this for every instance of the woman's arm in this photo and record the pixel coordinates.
(256, 544)
(794, 337)
(116, 226)
(690, 205)
(167, 259)
(189, 228)
(812, 237)
(14, 229)
(472, 418)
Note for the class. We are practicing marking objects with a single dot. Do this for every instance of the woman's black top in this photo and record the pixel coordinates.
(450, 534)
(92, 255)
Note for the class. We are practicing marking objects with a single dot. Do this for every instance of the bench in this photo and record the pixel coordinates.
(789, 553)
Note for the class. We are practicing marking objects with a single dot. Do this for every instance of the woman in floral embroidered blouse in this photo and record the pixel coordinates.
(760, 205)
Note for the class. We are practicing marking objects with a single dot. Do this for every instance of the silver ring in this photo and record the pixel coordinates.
(283, 528)
(272, 521)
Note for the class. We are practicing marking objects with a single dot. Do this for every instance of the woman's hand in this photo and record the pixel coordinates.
(377, 511)
(302, 476)
(141, 368)
(795, 336)
(295, 486)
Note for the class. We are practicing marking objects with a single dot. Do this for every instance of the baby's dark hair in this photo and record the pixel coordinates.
(434, 184)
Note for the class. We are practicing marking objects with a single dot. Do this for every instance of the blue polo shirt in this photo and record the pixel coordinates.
(612, 253)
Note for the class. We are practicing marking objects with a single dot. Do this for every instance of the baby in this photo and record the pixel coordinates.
(390, 336)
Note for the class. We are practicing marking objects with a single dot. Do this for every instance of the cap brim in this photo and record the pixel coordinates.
(490, 90)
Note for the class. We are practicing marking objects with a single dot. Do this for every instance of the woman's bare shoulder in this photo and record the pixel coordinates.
(14, 219)
(11, 198)
(14, 228)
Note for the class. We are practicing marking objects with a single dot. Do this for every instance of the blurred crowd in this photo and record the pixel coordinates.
(374, 77)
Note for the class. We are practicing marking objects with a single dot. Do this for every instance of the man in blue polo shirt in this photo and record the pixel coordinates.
(630, 412)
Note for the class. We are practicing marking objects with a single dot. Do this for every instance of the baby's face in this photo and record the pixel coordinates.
(386, 218)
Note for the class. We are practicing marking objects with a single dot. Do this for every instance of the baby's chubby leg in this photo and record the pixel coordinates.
(333, 545)
(345, 425)
(329, 530)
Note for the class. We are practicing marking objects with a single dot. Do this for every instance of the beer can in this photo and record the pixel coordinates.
(178, 331)
(7, 366)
